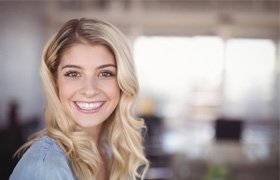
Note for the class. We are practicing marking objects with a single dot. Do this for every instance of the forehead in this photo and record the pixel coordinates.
(87, 54)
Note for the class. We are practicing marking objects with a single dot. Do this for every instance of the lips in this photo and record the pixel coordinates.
(89, 106)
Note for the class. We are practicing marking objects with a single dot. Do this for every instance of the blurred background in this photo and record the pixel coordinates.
(209, 72)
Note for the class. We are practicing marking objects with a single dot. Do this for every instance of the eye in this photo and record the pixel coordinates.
(106, 74)
(73, 74)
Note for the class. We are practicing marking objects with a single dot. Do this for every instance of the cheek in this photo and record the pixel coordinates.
(112, 90)
(116, 95)
(116, 91)
(65, 90)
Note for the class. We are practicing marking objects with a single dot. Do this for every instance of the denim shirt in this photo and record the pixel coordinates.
(44, 160)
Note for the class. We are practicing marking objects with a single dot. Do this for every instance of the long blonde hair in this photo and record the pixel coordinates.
(121, 131)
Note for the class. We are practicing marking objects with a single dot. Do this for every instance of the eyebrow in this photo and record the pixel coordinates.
(107, 65)
(79, 67)
(71, 66)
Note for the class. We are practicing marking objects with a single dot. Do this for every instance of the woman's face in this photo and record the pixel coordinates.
(87, 84)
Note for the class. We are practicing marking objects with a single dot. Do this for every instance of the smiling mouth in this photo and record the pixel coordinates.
(89, 106)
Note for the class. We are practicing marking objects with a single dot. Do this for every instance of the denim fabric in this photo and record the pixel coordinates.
(44, 160)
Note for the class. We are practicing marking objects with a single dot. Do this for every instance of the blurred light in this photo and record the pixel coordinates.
(191, 140)
(258, 140)
(249, 69)
(170, 67)
(255, 152)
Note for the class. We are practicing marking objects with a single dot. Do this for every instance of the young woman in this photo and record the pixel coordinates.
(90, 84)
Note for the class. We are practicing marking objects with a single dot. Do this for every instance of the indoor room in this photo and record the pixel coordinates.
(208, 72)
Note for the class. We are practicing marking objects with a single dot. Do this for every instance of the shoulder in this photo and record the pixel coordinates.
(43, 160)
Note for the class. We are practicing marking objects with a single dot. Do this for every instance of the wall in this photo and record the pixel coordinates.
(21, 45)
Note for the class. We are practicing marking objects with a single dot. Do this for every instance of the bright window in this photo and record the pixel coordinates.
(249, 81)
(202, 77)
(172, 67)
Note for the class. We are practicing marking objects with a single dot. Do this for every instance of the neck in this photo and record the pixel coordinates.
(95, 133)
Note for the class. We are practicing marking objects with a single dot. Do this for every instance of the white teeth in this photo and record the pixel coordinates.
(89, 106)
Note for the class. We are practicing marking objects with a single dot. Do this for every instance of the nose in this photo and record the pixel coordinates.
(90, 87)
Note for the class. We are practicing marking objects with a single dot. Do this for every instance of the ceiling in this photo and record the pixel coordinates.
(225, 18)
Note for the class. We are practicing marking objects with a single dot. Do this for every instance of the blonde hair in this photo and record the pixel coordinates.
(121, 131)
